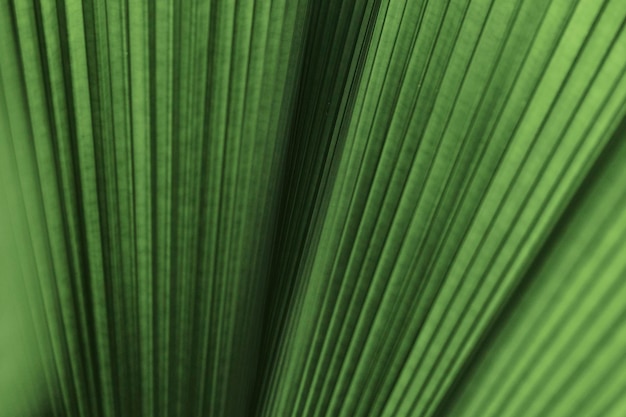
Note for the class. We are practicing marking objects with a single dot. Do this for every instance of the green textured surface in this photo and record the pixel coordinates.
(313, 208)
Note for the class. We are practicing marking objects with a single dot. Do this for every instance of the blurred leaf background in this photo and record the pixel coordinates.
(313, 208)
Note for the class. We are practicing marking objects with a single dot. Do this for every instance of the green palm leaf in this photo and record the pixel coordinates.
(313, 208)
